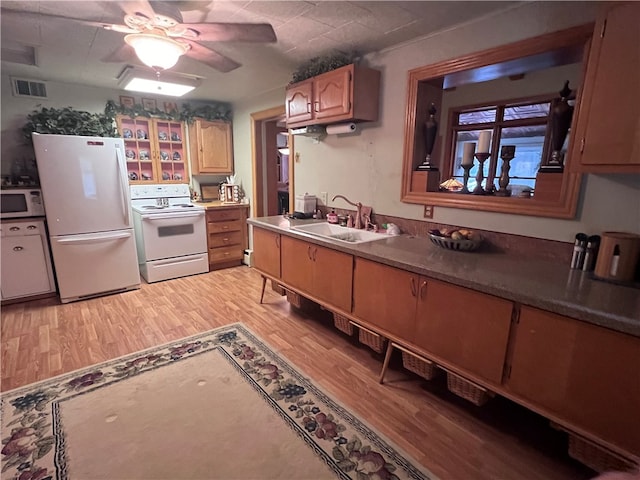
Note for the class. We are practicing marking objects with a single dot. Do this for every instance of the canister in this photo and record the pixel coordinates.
(618, 256)
(305, 203)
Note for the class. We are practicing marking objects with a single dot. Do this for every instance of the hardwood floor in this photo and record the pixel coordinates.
(451, 437)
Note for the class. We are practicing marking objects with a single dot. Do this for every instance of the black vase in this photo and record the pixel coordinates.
(561, 115)
(430, 131)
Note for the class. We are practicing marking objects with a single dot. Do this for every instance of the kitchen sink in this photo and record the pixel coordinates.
(342, 234)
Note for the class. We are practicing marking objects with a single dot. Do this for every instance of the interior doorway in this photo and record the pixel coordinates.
(272, 163)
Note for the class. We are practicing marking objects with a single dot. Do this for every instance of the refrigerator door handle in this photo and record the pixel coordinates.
(94, 238)
(124, 184)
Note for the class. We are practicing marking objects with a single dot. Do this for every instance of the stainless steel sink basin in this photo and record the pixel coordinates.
(342, 234)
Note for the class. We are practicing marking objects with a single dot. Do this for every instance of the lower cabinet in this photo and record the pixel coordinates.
(461, 327)
(226, 235)
(385, 297)
(469, 329)
(584, 377)
(583, 374)
(321, 272)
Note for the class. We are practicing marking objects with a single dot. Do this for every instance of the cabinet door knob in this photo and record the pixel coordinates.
(18, 249)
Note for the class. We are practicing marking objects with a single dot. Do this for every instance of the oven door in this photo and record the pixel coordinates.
(169, 235)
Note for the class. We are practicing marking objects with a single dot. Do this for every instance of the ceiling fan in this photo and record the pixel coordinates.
(156, 32)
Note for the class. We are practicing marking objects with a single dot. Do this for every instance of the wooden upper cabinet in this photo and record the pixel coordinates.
(580, 373)
(463, 327)
(385, 297)
(298, 102)
(266, 251)
(211, 147)
(332, 94)
(349, 93)
(609, 125)
(154, 149)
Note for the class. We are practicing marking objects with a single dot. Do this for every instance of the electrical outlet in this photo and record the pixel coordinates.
(428, 211)
(324, 198)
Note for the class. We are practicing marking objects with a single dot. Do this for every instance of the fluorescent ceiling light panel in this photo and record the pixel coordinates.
(163, 84)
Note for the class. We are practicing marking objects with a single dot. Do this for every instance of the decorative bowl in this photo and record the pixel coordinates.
(163, 136)
(141, 134)
(175, 137)
(176, 157)
(144, 155)
(463, 245)
(130, 154)
(164, 156)
(166, 176)
(127, 133)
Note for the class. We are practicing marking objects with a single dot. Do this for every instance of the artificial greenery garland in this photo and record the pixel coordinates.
(318, 65)
(67, 121)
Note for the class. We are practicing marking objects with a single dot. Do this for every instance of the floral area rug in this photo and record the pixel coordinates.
(218, 405)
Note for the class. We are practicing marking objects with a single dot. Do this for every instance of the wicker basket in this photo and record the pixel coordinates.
(372, 340)
(596, 457)
(468, 390)
(301, 303)
(421, 366)
(279, 289)
(294, 298)
(343, 324)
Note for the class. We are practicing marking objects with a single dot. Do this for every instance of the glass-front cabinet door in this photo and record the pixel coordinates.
(137, 148)
(171, 150)
(154, 150)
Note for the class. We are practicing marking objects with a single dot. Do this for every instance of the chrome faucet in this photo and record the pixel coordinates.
(358, 206)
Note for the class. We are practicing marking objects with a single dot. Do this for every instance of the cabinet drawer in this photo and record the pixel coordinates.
(222, 227)
(225, 239)
(224, 254)
(223, 215)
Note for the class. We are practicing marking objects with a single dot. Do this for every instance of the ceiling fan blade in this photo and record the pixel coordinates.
(131, 7)
(124, 54)
(233, 32)
(211, 58)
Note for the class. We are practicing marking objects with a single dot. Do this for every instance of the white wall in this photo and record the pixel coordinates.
(367, 166)
(242, 134)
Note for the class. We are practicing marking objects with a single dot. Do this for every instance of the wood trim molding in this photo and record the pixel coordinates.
(257, 118)
(567, 199)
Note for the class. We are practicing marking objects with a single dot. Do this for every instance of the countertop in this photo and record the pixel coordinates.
(214, 204)
(546, 285)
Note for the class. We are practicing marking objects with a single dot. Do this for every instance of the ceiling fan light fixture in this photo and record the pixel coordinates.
(156, 51)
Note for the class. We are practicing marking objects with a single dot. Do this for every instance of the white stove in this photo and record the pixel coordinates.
(170, 231)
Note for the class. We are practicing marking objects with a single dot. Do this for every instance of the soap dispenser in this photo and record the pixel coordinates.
(332, 217)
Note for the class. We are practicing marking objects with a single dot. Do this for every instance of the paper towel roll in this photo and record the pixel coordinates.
(341, 128)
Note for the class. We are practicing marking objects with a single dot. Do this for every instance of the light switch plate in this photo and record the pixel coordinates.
(324, 198)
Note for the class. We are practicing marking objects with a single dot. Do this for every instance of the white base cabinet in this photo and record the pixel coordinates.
(26, 265)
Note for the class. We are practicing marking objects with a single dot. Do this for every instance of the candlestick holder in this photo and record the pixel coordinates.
(482, 157)
(507, 153)
(467, 169)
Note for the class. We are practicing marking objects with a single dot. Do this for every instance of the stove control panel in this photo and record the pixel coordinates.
(159, 191)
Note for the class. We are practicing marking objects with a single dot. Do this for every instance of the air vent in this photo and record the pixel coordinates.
(28, 88)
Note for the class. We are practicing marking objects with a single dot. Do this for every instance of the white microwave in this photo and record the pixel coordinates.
(21, 202)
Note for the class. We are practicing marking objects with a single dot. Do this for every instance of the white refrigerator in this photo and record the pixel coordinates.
(88, 209)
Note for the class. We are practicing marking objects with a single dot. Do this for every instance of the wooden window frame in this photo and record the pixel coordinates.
(496, 128)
